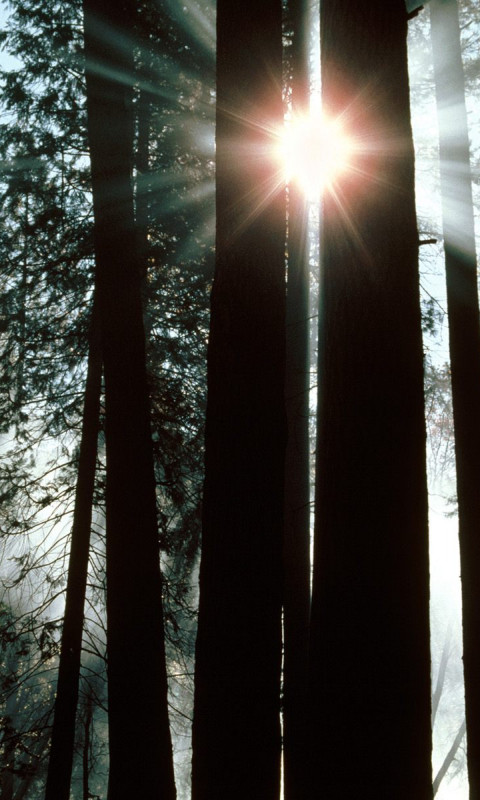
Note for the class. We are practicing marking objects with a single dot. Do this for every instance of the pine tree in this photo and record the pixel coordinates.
(140, 746)
(63, 732)
(46, 246)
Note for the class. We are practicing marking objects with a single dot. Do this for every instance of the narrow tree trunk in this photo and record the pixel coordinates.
(447, 761)
(464, 337)
(65, 709)
(86, 745)
(9, 736)
(140, 745)
(236, 728)
(296, 551)
(370, 661)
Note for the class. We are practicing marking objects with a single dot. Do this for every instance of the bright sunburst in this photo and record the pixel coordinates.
(314, 151)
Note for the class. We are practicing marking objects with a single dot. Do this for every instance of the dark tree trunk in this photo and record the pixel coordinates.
(87, 724)
(296, 551)
(140, 746)
(63, 732)
(370, 661)
(464, 336)
(236, 729)
(9, 734)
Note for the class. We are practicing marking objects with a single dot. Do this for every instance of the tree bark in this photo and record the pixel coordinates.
(65, 709)
(296, 550)
(140, 746)
(236, 727)
(464, 339)
(369, 657)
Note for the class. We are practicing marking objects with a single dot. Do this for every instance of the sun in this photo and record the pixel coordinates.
(314, 151)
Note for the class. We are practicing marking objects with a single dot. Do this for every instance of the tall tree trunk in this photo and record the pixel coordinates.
(87, 724)
(296, 551)
(65, 709)
(464, 337)
(370, 661)
(236, 728)
(140, 746)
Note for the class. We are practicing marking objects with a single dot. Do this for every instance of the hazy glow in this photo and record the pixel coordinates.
(314, 150)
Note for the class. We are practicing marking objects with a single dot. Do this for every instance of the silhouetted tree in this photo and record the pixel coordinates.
(63, 732)
(370, 662)
(45, 300)
(140, 746)
(236, 726)
(464, 340)
(46, 248)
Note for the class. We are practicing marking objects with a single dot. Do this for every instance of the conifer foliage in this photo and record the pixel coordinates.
(135, 626)
(51, 191)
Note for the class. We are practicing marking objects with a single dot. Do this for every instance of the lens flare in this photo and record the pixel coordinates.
(314, 151)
